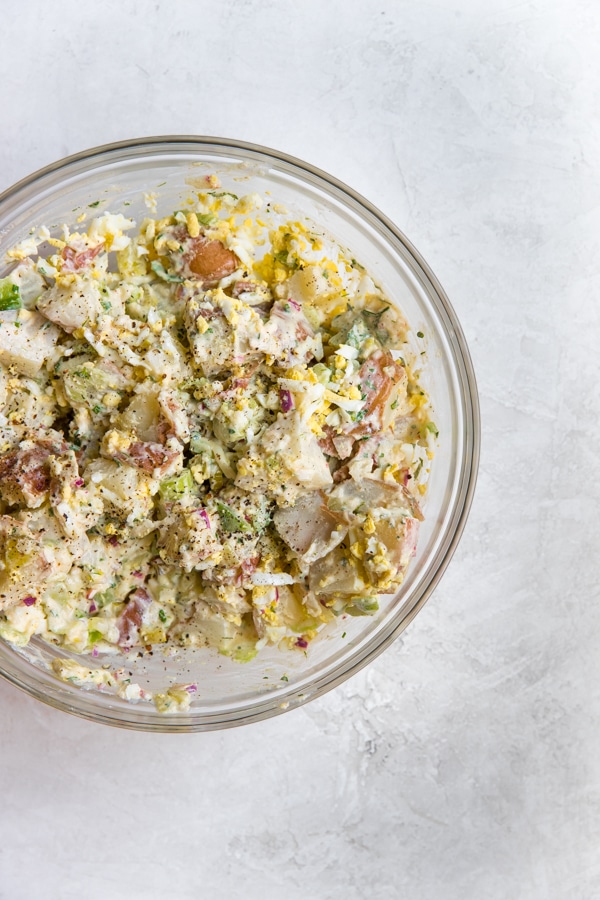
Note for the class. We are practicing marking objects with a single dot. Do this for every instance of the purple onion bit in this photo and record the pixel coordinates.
(29, 601)
(93, 608)
(191, 688)
(79, 482)
(286, 400)
(302, 643)
(204, 516)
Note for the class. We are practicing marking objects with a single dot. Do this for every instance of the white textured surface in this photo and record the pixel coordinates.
(464, 762)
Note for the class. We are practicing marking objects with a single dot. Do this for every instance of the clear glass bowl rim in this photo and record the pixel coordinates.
(76, 701)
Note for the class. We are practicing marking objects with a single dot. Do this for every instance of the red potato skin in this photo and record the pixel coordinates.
(27, 468)
(243, 287)
(74, 260)
(377, 385)
(209, 260)
(147, 456)
(28, 471)
(130, 620)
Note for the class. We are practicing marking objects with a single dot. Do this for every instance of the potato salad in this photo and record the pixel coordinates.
(212, 433)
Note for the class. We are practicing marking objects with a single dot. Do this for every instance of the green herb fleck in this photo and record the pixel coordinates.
(161, 613)
(373, 318)
(420, 334)
(158, 269)
(284, 678)
(94, 204)
(224, 194)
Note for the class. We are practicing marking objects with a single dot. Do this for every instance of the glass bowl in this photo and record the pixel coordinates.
(230, 693)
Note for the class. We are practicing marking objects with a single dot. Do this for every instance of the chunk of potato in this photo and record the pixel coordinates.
(27, 339)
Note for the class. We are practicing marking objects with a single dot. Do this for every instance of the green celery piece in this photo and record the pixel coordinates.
(207, 219)
(198, 444)
(322, 373)
(432, 427)
(177, 486)
(230, 520)
(244, 653)
(10, 295)
(365, 606)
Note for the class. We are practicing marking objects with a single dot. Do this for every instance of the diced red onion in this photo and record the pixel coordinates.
(301, 642)
(137, 574)
(29, 601)
(95, 651)
(204, 516)
(93, 607)
(286, 400)
(191, 688)
(294, 303)
(113, 541)
(79, 482)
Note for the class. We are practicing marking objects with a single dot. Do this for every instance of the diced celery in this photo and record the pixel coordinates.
(207, 219)
(363, 606)
(322, 373)
(104, 599)
(198, 444)
(177, 486)
(10, 295)
(230, 520)
(429, 427)
(10, 634)
(241, 652)
(307, 624)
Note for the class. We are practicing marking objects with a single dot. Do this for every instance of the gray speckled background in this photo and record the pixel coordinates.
(464, 762)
